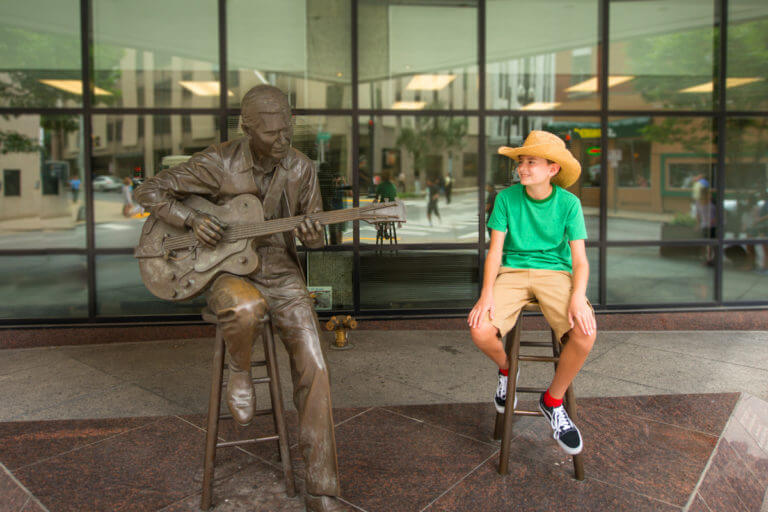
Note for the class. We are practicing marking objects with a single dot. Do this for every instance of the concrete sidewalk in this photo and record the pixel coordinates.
(384, 368)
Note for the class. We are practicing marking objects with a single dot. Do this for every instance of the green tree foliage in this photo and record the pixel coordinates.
(432, 135)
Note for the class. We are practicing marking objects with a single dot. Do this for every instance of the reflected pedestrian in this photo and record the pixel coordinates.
(433, 194)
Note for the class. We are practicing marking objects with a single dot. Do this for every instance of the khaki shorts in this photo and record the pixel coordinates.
(514, 288)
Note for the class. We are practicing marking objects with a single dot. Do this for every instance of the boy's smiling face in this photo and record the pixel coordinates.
(534, 170)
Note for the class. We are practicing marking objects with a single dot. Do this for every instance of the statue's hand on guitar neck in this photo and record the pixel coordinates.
(310, 233)
(207, 229)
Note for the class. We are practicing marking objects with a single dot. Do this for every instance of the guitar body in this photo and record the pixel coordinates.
(182, 274)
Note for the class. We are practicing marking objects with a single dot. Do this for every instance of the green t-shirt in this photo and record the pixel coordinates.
(387, 191)
(538, 231)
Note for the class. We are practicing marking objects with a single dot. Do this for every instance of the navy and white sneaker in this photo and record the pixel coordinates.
(564, 431)
(500, 397)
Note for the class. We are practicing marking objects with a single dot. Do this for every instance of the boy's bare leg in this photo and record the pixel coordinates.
(487, 339)
(572, 358)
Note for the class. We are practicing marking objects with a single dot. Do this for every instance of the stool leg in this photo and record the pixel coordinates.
(214, 408)
(570, 407)
(499, 426)
(278, 413)
(509, 409)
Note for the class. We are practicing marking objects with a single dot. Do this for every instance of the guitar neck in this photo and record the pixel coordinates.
(270, 227)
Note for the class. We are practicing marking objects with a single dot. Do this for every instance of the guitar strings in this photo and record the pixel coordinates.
(235, 233)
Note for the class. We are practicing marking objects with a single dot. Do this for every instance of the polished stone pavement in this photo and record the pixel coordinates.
(119, 427)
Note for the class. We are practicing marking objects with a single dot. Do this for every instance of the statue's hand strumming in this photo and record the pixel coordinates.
(207, 228)
(310, 233)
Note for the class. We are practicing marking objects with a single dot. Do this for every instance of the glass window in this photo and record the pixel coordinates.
(327, 141)
(43, 199)
(418, 279)
(581, 136)
(431, 164)
(141, 147)
(741, 281)
(329, 278)
(40, 54)
(661, 178)
(659, 275)
(746, 178)
(747, 84)
(167, 59)
(662, 55)
(530, 72)
(120, 291)
(417, 54)
(301, 47)
(44, 286)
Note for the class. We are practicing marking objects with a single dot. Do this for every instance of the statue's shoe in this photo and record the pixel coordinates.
(324, 504)
(241, 398)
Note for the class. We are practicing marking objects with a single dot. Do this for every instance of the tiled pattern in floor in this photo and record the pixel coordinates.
(641, 453)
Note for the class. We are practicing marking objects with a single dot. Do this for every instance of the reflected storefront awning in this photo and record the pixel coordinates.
(631, 127)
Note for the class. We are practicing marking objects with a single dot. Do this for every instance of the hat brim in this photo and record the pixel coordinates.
(570, 168)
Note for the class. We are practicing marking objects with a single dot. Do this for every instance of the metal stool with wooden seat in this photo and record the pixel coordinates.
(214, 410)
(503, 428)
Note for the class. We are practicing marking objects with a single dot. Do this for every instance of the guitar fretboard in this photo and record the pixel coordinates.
(270, 227)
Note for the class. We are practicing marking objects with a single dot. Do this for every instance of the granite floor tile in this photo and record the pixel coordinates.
(133, 362)
(126, 400)
(698, 505)
(748, 348)
(643, 456)
(389, 463)
(256, 487)
(354, 390)
(144, 469)
(12, 496)
(34, 506)
(264, 426)
(472, 420)
(23, 443)
(591, 384)
(43, 387)
(707, 413)
(531, 486)
(690, 374)
(728, 485)
(752, 413)
(16, 360)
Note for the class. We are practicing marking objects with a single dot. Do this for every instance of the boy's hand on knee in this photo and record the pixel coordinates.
(478, 312)
(579, 313)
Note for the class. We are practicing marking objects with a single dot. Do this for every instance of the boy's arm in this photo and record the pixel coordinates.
(579, 313)
(491, 270)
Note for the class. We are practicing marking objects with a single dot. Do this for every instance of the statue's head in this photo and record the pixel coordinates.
(266, 120)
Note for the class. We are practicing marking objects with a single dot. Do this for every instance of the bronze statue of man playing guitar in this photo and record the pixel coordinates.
(262, 164)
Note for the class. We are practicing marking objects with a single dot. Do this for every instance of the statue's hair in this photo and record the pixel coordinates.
(263, 99)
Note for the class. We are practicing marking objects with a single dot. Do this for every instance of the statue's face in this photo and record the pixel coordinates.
(270, 134)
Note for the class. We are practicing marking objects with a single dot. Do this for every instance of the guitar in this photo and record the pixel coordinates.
(175, 266)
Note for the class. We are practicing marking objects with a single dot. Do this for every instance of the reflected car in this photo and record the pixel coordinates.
(104, 183)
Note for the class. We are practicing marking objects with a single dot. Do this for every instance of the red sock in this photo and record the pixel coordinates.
(504, 372)
(551, 401)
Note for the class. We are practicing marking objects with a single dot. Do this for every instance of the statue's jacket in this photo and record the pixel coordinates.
(223, 171)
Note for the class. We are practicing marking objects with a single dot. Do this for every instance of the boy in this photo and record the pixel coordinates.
(542, 257)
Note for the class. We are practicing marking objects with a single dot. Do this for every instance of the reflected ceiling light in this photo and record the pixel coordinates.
(540, 105)
(74, 86)
(409, 105)
(203, 88)
(591, 84)
(729, 83)
(260, 76)
(429, 82)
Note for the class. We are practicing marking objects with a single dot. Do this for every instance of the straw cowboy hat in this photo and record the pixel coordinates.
(550, 146)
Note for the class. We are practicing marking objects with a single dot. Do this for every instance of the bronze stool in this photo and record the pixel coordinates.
(503, 428)
(214, 410)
